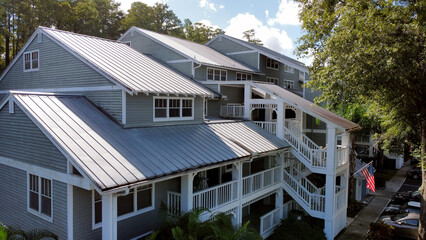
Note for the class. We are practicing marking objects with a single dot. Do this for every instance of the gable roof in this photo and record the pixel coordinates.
(197, 52)
(112, 156)
(266, 51)
(121, 64)
(307, 106)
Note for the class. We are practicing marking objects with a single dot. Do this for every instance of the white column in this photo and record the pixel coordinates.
(346, 142)
(187, 192)
(247, 97)
(109, 217)
(237, 174)
(330, 181)
(70, 212)
(280, 120)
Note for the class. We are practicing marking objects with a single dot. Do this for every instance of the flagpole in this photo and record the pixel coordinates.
(366, 166)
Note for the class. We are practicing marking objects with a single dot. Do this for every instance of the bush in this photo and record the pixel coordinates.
(297, 230)
(379, 231)
(354, 207)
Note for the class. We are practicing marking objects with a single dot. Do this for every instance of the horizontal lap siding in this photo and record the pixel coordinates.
(227, 46)
(58, 69)
(13, 207)
(140, 112)
(83, 216)
(250, 59)
(22, 140)
(185, 68)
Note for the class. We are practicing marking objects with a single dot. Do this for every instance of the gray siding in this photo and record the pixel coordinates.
(233, 94)
(22, 140)
(83, 215)
(185, 68)
(250, 59)
(224, 45)
(58, 69)
(213, 108)
(140, 112)
(201, 74)
(13, 207)
(145, 45)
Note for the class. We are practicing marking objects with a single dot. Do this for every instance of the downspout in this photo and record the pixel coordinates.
(194, 67)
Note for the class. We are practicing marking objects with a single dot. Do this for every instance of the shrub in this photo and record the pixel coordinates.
(297, 230)
(379, 231)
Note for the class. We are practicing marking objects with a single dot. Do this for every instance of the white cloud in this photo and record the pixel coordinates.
(266, 13)
(209, 5)
(287, 14)
(208, 23)
(126, 4)
(271, 37)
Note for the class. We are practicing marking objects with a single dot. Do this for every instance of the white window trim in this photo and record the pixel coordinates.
(272, 80)
(220, 76)
(285, 80)
(167, 118)
(242, 74)
(31, 61)
(127, 215)
(38, 213)
(266, 64)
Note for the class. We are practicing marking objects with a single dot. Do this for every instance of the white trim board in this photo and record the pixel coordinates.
(71, 89)
(47, 173)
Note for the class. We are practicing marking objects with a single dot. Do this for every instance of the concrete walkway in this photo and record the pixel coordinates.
(359, 228)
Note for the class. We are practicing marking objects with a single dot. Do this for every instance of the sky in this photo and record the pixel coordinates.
(275, 22)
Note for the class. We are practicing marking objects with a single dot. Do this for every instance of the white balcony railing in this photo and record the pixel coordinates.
(269, 221)
(232, 111)
(341, 155)
(173, 203)
(258, 181)
(268, 126)
(340, 197)
(217, 196)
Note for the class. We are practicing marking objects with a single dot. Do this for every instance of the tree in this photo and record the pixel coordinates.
(250, 35)
(371, 51)
(199, 32)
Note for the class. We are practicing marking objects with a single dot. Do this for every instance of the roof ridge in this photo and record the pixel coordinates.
(80, 34)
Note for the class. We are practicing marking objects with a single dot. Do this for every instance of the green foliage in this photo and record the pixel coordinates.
(3, 232)
(354, 207)
(189, 226)
(250, 35)
(198, 32)
(297, 230)
(11, 233)
(379, 231)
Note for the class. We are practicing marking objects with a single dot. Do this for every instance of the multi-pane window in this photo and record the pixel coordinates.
(288, 69)
(272, 80)
(139, 200)
(271, 63)
(31, 61)
(216, 74)
(243, 77)
(288, 84)
(40, 195)
(168, 108)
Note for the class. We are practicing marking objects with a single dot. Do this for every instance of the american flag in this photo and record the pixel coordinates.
(369, 177)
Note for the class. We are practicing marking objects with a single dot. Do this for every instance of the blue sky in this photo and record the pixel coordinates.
(275, 22)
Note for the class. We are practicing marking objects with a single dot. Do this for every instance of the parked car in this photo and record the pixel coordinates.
(406, 227)
(404, 197)
(414, 174)
(394, 209)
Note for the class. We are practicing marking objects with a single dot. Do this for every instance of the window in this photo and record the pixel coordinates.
(243, 77)
(169, 108)
(272, 80)
(301, 76)
(216, 74)
(288, 69)
(40, 196)
(288, 84)
(139, 200)
(271, 63)
(31, 61)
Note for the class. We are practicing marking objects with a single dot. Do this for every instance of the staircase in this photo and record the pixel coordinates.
(310, 197)
(305, 149)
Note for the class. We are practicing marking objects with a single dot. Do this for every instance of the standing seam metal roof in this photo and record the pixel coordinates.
(135, 71)
(198, 52)
(112, 156)
(308, 106)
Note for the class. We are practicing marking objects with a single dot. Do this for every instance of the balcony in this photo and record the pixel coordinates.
(268, 126)
(232, 111)
(258, 181)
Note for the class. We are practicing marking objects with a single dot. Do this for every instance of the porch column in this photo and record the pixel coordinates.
(237, 174)
(187, 192)
(247, 97)
(330, 181)
(346, 142)
(280, 120)
(109, 217)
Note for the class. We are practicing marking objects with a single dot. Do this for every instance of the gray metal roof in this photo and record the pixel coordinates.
(112, 156)
(307, 106)
(268, 52)
(197, 52)
(135, 71)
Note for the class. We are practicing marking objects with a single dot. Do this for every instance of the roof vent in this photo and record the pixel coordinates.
(132, 33)
(39, 37)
